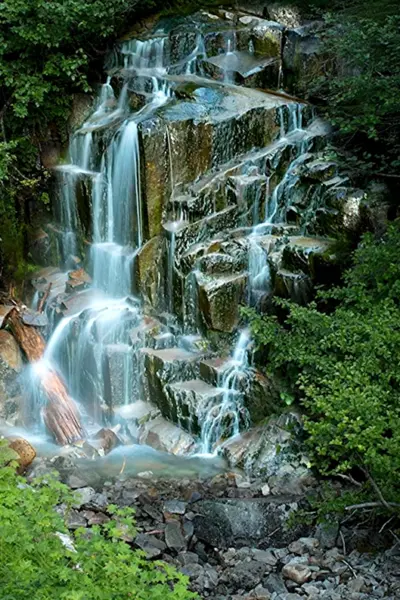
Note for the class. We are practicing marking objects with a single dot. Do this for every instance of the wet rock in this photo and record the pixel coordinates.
(296, 572)
(149, 271)
(162, 435)
(106, 440)
(189, 400)
(269, 451)
(174, 538)
(219, 300)
(163, 367)
(302, 56)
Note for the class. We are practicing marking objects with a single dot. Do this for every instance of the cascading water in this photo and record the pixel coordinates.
(225, 418)
(259, 269)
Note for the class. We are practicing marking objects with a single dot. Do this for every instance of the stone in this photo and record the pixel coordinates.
(149, 271)
(220, 523)
(265, 490)
(275, 584)
(107, 440)
(303, 546)
(162, 435)
(296, 572)
(265, 556)
(83, 496)
(302, 56)
(174, 538)
(219, 300)
(175, 507)
(247, 574)
(75, 520)
(25, 451)
(189, 399)
(187, 558)
(326, 533)
(152, 546)
(75, 482)
(261, 451)
(357, 584)
(192, 570)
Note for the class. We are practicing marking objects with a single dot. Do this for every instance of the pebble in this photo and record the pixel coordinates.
(296, 572)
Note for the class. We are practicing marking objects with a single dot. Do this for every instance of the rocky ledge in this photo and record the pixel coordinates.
(234, 539)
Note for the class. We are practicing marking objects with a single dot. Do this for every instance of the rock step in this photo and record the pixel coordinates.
(165, 367)
(212, 369)
(190, 400)
(244, 68)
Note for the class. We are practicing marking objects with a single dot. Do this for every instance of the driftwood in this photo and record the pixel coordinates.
(42, 302)
(60, 413)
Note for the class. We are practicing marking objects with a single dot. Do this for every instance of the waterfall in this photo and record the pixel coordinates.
(224, 419)
(173, 204)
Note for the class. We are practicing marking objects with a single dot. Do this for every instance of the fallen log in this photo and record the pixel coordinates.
(60, 413)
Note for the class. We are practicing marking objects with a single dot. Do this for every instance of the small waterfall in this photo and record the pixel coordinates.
(225, 419)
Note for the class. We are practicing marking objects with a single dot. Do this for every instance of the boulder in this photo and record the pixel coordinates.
(25, 451)
(162, 435)
(221, 523)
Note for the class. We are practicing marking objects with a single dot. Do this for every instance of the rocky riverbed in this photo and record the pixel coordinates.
(234, 538)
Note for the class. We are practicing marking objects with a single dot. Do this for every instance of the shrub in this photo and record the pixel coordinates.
(36, 564)
(343, 364)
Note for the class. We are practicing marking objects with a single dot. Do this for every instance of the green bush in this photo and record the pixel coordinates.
(361, 84)
(36, 564)
(340, 357)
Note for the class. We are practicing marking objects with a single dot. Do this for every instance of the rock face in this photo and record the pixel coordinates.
(11, 364)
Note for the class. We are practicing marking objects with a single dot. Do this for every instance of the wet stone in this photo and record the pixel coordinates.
(175, 507)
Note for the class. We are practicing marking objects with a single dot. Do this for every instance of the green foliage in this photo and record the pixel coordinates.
(361, 86)
(340, 356)
(36, 564)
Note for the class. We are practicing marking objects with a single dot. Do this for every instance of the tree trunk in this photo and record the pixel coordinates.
(60, 413)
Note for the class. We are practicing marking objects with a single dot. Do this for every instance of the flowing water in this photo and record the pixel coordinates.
(229, 414)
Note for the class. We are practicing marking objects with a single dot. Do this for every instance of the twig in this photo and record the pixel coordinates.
(349, 478)
(350, 567)
(343, 542)
(389, 505)
(376, 488)
(44, 298)
(384, 525)
(396, 538)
